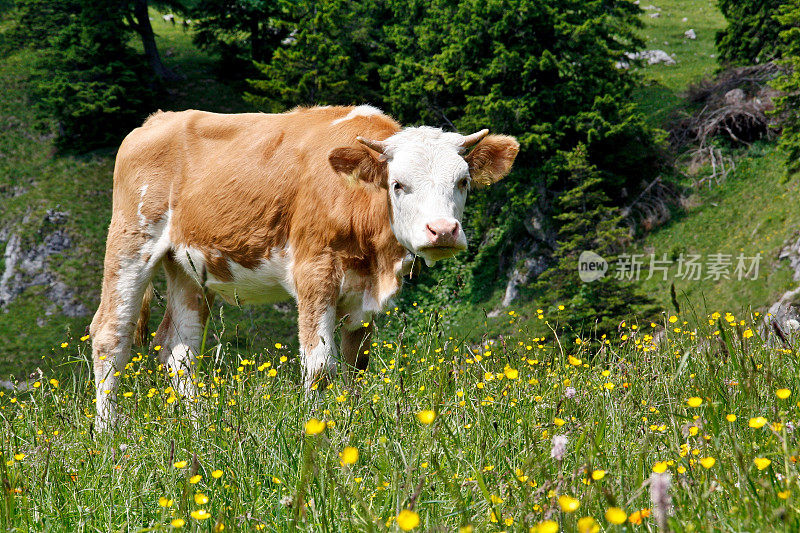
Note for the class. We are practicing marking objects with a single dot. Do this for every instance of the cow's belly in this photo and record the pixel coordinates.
(270, 282)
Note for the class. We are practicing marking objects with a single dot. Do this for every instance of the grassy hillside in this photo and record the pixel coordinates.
(752, 212)
(695, 59)
(33, 181)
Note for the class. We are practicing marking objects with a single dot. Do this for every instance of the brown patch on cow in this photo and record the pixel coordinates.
(140, 335)
(491, 159)
(217, 265)
(317, 283)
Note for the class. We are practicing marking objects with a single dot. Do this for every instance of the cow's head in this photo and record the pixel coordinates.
(427, 177)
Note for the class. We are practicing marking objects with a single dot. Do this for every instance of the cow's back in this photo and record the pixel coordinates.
(233, 185)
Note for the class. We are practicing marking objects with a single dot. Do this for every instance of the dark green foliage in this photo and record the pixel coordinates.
(587, 221)
(542, 71)
(751, 34)
(240, 31)
(331, 56)
(787, 105)
(87, 80)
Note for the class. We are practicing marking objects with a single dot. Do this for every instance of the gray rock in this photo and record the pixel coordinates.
(690, 34)
(652, 57)
(655, 15)
(735, 96)
(783, 317)
(29, 267)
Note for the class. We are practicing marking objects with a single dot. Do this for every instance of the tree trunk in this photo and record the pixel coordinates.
(145, 30)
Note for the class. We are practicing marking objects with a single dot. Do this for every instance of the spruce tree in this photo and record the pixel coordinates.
(588, 222)
(751, 34)
(331, 57)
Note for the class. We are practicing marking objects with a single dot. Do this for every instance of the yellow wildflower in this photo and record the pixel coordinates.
(615, 515)
(426, 417)
(568, 503)
(407, 520)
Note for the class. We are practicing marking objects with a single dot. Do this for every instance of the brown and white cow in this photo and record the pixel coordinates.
(326, 205)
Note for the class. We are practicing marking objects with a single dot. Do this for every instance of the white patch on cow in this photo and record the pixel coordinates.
(370, 304)
(359, 111)
(133, 275)
(159, 243)
(272, 281)
(428, 184)
(142, 219)
(320, 361)
(192, 261)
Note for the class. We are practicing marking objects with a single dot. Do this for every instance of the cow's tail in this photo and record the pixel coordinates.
(140, 337)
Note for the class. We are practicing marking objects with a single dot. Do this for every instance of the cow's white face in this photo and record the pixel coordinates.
(428, 178)
(428, 181)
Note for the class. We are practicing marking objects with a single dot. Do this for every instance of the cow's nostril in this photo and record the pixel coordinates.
(442, 232)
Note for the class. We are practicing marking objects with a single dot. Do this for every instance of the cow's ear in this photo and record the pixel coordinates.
(491, 159)
(359, 163)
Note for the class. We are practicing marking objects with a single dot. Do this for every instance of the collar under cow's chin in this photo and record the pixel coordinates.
(409, 265)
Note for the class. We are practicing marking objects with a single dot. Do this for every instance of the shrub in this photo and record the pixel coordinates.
(787, 104)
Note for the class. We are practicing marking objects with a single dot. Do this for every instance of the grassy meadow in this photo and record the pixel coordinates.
(694, 431)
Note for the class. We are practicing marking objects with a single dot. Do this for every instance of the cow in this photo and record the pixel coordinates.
(326, 205)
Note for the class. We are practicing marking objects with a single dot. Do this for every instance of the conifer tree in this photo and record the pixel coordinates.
(588, 222)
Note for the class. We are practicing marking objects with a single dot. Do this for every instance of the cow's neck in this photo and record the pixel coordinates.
(388, 261)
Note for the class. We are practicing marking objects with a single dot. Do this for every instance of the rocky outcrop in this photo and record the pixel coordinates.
(29, 266)
(652, 57)
(783, 317)
(529, 259)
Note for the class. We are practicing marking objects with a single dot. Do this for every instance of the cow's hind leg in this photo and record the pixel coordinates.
(355, 348)
(128, 269)
(181, 330)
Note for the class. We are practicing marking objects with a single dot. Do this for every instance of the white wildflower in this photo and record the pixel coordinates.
(559, 447)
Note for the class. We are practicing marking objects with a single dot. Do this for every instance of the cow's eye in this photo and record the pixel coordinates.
(398, 187)
(463, 182)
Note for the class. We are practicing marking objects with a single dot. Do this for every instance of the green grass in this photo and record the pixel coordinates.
(752, 212)
(487, 453)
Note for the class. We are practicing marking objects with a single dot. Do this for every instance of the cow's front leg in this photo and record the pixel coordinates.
(317, 289)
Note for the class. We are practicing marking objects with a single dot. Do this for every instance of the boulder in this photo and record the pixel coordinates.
(735, 96)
